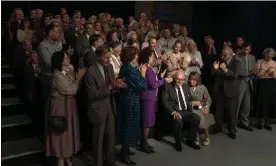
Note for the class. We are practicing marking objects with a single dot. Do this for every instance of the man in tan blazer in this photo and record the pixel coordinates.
(100, 83)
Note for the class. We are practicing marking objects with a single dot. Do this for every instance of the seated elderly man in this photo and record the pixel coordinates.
(176, 100)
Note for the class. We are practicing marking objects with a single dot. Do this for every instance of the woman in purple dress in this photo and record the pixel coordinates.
(148, 98)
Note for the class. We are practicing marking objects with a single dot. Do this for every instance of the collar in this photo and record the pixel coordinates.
(93, 48)
(114, 57)
(176, 87)
(100, 65)
(63, 72)
(229, 61)
(87, 36)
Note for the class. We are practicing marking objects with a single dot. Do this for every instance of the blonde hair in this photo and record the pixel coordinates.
(190, 42)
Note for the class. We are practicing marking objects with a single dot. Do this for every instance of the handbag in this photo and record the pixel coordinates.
(57, 124)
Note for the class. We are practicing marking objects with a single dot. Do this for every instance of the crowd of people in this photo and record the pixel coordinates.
(118, 76)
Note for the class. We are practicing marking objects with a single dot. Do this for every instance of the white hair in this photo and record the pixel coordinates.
(130, 34)
(177, 73)
(269, 50)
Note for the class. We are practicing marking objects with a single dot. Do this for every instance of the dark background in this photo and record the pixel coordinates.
(256, 21)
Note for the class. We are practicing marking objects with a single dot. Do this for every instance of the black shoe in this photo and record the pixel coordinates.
(127, 161)
(178, 147)
(151, 147)
(216, 130)
(192, 144)
(246, 128)
(110, 164)
(268, 127)
(232, 136)
(144, 147)
(260, 126)
(130, 153)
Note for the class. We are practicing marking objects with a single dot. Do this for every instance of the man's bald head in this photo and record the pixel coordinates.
(227, 54)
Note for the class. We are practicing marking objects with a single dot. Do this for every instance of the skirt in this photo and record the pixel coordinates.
(206, 120)
(147, 113)
(67, 143)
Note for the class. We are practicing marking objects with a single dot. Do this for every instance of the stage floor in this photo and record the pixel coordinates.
(256, 148)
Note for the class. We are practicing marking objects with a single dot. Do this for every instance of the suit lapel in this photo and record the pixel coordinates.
(99, 74)
(173, 92)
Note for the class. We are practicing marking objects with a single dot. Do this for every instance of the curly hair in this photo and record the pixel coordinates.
(128, 54)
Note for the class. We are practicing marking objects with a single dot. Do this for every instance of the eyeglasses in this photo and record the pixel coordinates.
(179, 79)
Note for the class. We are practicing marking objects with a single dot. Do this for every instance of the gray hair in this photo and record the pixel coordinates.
(53, 21)
(177, 73)
(130, 34)
(269, 50)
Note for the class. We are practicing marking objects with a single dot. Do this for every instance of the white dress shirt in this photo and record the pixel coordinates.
(183, 96)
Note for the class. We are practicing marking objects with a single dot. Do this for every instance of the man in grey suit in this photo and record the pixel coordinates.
(99, 84)
(228, 74)
(248, 63)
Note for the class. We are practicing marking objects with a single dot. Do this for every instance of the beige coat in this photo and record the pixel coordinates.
(64, 84)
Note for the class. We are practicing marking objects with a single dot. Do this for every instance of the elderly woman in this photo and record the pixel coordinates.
(132, 35)
(62, 103)
(176, 61)
(201, 105)
(129, 103)
(148, 98)
(193, 58)
(266, 89)
(266, 68)
(115, 59)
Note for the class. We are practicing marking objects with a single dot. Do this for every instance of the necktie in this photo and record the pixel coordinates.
(106, 76)
(181, 100)
(36, 68)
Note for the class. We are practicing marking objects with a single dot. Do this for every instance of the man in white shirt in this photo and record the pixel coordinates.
(176, 100)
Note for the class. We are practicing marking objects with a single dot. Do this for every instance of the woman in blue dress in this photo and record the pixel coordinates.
(129, 103)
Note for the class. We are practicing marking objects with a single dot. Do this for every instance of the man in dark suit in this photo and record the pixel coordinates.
(81, 44)
(89, 56)
(20, 58)
(32, 86)
(176, 99)
(246, 89)
(99, 84)
(228, 75)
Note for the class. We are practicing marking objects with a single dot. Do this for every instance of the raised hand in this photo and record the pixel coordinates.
(216, 65)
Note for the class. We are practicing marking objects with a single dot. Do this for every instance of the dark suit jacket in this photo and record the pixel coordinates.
(70, 37)
(169, 98)
(31, 82)
(14, 27)
(19, 58)
(82, 44)
(88, 58)
(100, 99)
(231, 80)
